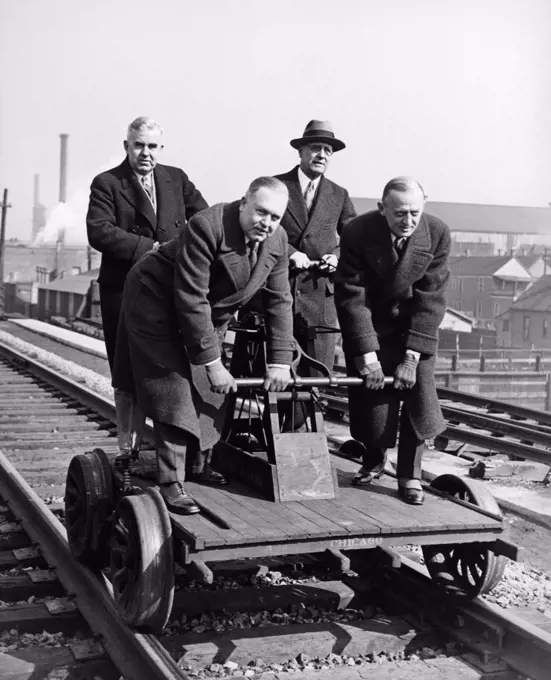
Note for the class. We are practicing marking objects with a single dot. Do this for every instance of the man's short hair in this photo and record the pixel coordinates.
(266, 183)
(143, 123)
(402, 184)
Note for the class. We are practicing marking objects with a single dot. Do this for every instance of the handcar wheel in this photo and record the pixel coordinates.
(88, 504)
(142, 561)
(467, 568)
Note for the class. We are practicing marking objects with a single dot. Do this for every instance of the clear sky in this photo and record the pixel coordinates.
(454, 92)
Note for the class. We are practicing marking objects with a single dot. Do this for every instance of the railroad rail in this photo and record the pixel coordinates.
(512, 429)
(142, 656)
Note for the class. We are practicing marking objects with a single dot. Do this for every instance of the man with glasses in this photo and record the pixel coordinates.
(316, 213)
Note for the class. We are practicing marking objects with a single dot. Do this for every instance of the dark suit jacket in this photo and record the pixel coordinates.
(388, 305)
(177, 304)
(122, 224)
(315, 234)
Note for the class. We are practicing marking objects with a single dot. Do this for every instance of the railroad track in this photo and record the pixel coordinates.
(45, 415)
(491, 425)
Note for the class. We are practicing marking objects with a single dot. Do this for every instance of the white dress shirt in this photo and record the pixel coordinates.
(304, 181)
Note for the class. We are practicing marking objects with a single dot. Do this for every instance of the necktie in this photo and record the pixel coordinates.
(146, 183)
(399, 245)
(253, 256)
(309, 194)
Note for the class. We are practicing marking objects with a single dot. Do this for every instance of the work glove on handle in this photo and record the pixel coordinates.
(300, 260)
(276, 378)
(221, 380)
(405, 375)
(373, 376)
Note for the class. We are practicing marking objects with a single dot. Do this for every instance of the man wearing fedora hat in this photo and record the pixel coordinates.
(316, 213)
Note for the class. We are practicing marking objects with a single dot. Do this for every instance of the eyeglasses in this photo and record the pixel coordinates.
(318, 148)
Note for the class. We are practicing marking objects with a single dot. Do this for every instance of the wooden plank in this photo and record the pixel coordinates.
(387, 510)
(266, 513)
(400, 515)
(326, 525)
(231, 510)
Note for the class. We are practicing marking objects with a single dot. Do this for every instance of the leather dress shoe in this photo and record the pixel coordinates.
(411, 492)
(177, 499)
(364, 477)
(209, 476)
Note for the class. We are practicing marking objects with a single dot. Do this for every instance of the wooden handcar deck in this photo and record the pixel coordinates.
(358, 518)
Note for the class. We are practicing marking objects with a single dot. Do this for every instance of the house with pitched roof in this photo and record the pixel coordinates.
(527, 322)
(485, 287)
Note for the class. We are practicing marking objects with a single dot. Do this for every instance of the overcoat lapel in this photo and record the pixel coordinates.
(398, 274)
(135, 195)
(415, 259)
(296, 206)
(245, 282)
(323, 205)
(165, 198)
(380, 253)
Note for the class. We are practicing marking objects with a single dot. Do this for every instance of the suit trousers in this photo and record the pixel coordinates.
(177, 453)
(410, 451)
(110, 305)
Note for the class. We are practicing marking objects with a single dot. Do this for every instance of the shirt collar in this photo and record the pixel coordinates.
(304, 180)
(148, 176)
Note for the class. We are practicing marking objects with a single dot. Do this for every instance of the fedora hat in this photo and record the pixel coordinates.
(318, 131)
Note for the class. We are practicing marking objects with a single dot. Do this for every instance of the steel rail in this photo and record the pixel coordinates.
(524, 647)
(447, 394)
(452, 433)
(85, 396)
(493, 424)
(136, 656)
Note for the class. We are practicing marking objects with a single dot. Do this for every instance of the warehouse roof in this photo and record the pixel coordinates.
(480, 217)
(79, 283)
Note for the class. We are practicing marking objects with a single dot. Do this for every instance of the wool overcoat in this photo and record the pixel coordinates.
(316, 234)
(177, 304)
(389, 304)
(122, 225)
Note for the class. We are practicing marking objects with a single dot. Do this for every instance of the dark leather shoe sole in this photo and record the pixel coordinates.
(411, 496)
(366, 478)
(210, 479)
(183, 507)
(178, 502)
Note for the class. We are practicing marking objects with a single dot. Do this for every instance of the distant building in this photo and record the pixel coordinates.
(485, 287)
(65, 297)
(22, 262)
(527, 322)
(456, 321)
(481, 229)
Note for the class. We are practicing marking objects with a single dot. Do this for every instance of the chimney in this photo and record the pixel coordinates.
(39, 211)
(36, 192)
(63, 168)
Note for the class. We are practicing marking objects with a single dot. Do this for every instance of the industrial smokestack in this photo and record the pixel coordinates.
(39, 211)
(36, 190)
(63, 168)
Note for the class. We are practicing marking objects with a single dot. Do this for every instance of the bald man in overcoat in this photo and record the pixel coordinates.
(178, 302)
(390, 290)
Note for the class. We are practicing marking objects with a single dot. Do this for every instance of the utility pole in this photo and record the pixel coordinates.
(4, 205)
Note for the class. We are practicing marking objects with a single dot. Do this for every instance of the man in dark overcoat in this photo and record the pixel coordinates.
(390, 289)
(317, 211)
(133, 208)
(178, 302)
